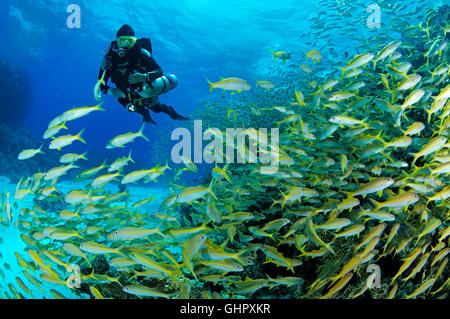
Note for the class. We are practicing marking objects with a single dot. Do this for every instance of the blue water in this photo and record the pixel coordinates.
(193, 39)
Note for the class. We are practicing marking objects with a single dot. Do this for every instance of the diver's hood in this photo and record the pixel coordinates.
(125, 30)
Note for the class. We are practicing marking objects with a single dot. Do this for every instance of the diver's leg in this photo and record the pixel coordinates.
(169, 111)
(145, 114)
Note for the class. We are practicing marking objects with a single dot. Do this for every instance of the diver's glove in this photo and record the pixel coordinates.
(118, 93)
(152, 76)
(137, 78)
(131, 107)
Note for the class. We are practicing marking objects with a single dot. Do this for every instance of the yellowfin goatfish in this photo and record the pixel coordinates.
(65, 140)
(121, 140)
(90, 172)
(190, 194)
(104, 179)
(314, 55)
(283, 55)
(51, 131)
(432, 146)
(305, 68)
(387, 51)
(140, 290)
(230, 84)
(401, 200)
(59, 171)
(135, 176)
(191, 249)
(30, 153)
(76, 113)
(99, 249)
(312, 235)
(97, 92)
(360, 60)
(265, 84)
(299, 97)
(70, 157)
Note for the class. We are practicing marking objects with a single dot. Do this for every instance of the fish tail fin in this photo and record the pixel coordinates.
(99, 106)
(158, 229)
(438, 132)
(129, 157)
(429, 115)
(379, 137)
(240, 259)
(415, 158)
(274, 55)
(211, 85)
(141, 132)
(79, 136)
(40, 149)
(275, 201)
(375, 203)
(385, 81)
(165, 166)
(330, 249)
(120, 251)
(348, 194)
(79, 236)
(393, 95)
(211, 184)
(271, 237)
(136, 273)
(290, 267)
(104, 163)
(398, 118)
(343, 72)
(364, 122)
(224, 172)
(432, 74)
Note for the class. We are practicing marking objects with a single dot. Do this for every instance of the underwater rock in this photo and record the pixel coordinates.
(15, 94)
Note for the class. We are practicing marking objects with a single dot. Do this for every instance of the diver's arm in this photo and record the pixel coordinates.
(154, 71)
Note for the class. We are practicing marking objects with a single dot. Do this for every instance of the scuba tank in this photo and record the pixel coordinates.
(159, 86)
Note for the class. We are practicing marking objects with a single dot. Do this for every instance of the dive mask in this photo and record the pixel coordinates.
(126, 42)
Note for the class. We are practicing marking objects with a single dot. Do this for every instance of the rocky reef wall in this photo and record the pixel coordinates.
(15, 94)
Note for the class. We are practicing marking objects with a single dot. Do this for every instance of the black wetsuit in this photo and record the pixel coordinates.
(138, 59)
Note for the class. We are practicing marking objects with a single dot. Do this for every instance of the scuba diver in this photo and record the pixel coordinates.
(138, 78)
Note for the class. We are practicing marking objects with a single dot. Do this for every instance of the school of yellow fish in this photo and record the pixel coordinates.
(363, 179)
